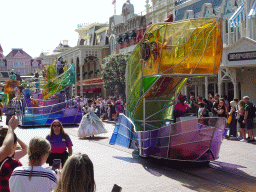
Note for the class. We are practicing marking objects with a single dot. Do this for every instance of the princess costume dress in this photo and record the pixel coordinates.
(90, 124)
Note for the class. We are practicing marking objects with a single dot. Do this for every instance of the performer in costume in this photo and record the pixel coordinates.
(90, 124)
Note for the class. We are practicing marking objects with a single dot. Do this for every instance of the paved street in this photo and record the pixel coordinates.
(235, 169)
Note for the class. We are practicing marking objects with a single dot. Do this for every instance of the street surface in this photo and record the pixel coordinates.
(235, 170)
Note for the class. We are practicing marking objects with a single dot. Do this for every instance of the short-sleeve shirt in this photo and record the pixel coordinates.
(224, 112)
(249, 108)
(42, 180)
(5, 173)
(59, 144)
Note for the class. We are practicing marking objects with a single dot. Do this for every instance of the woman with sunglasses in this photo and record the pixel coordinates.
(60, 142)
(222, 109)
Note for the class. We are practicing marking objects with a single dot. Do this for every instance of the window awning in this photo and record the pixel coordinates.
(133, 35)
(238, 17)
(252, 13)
(119, 39)
(126, 36)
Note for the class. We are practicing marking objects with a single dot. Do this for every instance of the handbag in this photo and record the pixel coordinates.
(229, 119)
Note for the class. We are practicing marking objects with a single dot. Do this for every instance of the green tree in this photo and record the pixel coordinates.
(113, 72)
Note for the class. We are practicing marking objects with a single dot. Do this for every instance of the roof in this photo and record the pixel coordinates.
(1, 49)
(15, 51)
(101, 30)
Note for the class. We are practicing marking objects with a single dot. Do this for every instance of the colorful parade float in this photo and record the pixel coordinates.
(46, 97)
(160, 65)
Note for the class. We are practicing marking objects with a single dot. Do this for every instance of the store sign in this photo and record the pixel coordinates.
(242, 56)
(91, 81)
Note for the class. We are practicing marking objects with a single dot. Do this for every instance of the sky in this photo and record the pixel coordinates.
(36, 25)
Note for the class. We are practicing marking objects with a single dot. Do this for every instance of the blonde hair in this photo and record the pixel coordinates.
(241, 104)
(37, 148)
(77, 175)
(232, 103)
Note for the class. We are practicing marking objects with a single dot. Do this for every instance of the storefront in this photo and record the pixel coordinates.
(91, 88)
(236, 76)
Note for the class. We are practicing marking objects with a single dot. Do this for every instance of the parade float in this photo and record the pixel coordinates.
(167, 55)
(47, 97)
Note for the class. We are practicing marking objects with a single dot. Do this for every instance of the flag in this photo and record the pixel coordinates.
(113, 2)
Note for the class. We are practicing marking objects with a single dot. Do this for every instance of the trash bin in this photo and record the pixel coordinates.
(9, 113)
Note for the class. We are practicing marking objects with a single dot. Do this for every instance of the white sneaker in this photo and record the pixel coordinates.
(243, 140)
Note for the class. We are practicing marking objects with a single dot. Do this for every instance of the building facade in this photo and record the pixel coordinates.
(160, 11)
(126, 30)
(92, 47)
(21, 62)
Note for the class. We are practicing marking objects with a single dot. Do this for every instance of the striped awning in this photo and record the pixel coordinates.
(252, 13)
(238, 17)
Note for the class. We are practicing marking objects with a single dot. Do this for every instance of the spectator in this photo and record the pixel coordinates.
(248, 118)
(207, 105)
(226, 101)
(34, 177)
(192, 105)
(8, 164)
(77, 175)
(241, 112)
(200, 109)
(210, 99)
(7, 146)
(215, 107)
(237, 117)
(119, 108)
(113, 110)
(232, 125)
(181, 108)
(199, 99)
(222, 109)
(59, 141)
(216, 96)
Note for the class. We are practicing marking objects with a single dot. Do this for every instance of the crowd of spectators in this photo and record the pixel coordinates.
(106, 109)
(76, 175)
(241, 114)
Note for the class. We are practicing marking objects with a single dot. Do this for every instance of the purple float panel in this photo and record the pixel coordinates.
(191, 140)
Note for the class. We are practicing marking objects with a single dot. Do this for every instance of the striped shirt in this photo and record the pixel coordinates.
(41, 180)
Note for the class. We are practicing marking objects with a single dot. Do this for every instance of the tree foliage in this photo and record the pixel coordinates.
(113, 72)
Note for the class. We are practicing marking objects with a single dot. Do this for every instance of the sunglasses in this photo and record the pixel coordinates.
(56, 125)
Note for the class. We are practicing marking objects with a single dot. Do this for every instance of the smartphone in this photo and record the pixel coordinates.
(116, 188)
(56, 164)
